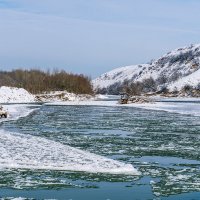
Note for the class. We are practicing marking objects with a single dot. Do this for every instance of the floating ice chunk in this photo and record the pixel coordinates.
(31, 152)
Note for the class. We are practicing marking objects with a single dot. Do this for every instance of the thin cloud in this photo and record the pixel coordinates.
(47, 35)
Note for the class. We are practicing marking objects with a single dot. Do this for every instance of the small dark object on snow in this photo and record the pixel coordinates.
(3, 113)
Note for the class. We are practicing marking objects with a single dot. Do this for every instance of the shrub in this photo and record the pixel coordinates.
(136, 88)
(187, 88)
(149, 85)
(198, 86)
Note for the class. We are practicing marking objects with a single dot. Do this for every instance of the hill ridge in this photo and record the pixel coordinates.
(173, 71)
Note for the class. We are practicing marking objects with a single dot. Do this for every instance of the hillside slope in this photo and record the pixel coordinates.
(174, 71)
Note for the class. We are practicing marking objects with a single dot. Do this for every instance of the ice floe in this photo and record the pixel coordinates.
(31, 152)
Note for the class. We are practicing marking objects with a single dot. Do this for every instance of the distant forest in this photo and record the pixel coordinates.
(37, 81)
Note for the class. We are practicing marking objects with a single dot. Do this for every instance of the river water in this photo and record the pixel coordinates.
(71, 152)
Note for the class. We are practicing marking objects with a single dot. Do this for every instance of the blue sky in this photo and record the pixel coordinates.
(93, 36)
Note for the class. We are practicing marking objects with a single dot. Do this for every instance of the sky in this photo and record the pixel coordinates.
(93, 36)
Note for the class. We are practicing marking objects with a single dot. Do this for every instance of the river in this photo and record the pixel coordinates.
(82, 152)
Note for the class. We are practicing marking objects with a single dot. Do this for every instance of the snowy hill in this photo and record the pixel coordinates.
(20, 95)
(174, 70)
(15, 95)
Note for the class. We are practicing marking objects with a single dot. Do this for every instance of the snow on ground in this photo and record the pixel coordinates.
(15, 95)
(192, 80)
(173, 107)
(20, 95)
(117, 76)
(62, 96)
(17, 111)
(59, 96)
(100, 96)
(175, 99)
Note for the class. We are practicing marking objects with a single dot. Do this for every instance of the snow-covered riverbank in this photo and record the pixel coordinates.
(63, 98)
(16, 111)
(15, 95)
(180, 106)
(20, 95)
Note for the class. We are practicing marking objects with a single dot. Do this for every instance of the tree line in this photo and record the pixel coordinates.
(37, 81)
(151, 86)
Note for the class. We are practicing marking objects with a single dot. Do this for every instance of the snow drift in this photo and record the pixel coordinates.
(57, 96)
(20, 95)
(15, 95)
